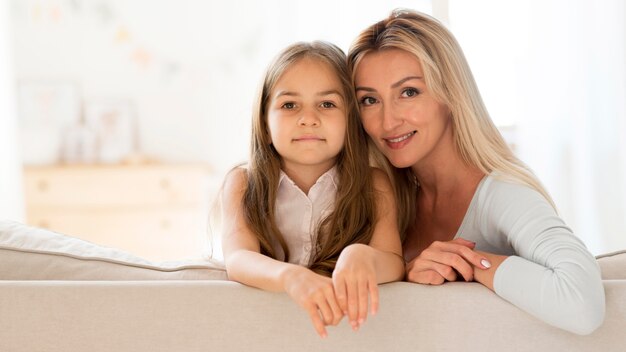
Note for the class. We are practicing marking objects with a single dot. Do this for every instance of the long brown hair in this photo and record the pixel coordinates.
(449, 78)
(352, 220)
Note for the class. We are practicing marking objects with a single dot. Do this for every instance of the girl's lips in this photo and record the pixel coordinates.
(308, 138)
(399, 141)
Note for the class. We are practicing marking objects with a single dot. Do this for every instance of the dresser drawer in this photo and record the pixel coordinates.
(116, 185)
(154, 234)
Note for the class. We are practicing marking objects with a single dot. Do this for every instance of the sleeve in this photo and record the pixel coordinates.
(552, 276)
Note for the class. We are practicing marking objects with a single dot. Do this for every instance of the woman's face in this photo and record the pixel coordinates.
(398, 111)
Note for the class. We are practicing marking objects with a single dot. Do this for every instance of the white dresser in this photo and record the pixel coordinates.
(156, 211)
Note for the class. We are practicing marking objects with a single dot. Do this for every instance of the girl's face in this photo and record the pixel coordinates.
(306, 115)
(397, 110)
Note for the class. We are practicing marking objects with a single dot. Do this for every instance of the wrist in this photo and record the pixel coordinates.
(486, 276)
(288, 273)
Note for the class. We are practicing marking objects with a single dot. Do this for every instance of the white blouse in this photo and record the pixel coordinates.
(298, 214)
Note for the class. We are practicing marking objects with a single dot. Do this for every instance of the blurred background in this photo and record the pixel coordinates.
(119, 118)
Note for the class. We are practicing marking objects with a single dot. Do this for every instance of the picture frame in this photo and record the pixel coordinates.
(45, 109)
(115, 125)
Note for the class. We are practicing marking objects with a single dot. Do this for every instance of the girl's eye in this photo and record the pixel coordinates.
(288, 106)
(410, 92)
(368, 101)
(328, 105)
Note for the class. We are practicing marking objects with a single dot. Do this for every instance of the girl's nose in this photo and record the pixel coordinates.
(308, 118)
(391, 117)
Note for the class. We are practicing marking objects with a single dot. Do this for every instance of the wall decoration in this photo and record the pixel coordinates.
(45, 108)
(115, 125)
(48, 102)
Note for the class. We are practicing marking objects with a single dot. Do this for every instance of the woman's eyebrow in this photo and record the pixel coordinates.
(395, 85)
(400, 82)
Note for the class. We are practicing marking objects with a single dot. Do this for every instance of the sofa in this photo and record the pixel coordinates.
(59, 293)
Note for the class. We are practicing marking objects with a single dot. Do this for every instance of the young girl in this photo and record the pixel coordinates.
(308, 205)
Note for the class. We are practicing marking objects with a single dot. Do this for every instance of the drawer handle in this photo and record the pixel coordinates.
(42, 186)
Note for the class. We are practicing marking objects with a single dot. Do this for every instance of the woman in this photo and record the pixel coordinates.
(468, 207)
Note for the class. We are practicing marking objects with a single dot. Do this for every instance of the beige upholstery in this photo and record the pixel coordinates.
(613, 265)
(28, 253)
(216, 315)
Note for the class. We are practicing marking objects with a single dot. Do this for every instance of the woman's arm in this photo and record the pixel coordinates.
(361, 267)
(552, 276)
(244, 262)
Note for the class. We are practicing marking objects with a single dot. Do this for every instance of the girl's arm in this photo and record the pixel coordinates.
(361, 267)
(244, 262)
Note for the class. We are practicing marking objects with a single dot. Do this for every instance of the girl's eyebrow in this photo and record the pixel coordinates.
(286, 92)
(329, 92)
(395, 85)
(295, 94)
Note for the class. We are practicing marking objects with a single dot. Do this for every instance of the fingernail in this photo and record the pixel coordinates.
(324, 335)
(485, 263)
(361, 321)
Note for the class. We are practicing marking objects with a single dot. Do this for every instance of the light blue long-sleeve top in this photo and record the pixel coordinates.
(549, 272)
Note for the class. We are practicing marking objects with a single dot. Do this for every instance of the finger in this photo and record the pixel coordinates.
(362, 294)
(374, 300)
(427, 277)
(449, 259)
(432, 260)
(339, 284)
(325, 311)
(475, 258)
(318, 324)
(352, 293)
(447, 272)
(334, 306)
(464, 242)
(471, 256)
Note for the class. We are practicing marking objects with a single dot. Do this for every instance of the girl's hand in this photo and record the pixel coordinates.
(315, 294)
(354, 279)
(442, 260)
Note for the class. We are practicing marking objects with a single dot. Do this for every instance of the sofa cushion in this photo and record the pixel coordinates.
(29, 253)
(613, 265)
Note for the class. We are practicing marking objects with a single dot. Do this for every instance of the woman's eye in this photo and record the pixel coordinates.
(288, 106)
(368, 101)
(410, 92)
(327, 105)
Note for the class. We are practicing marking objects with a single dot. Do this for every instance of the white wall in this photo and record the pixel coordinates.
(556, 70)
(190, 67)
(11, 201)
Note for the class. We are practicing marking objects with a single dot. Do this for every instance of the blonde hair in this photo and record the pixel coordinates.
(449, 78)
(352, 220)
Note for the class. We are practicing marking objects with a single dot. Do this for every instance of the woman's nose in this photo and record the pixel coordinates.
(391, 117)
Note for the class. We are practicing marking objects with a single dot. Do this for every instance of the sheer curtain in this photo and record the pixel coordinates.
(555, 73)
(11, 201)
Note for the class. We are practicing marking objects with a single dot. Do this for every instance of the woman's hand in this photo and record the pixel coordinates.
(442, 261)
(354, 279)
(315, 294)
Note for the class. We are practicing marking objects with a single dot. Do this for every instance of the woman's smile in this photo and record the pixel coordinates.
(398, 142)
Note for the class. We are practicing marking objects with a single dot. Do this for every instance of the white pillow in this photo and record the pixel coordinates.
(29, 253)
